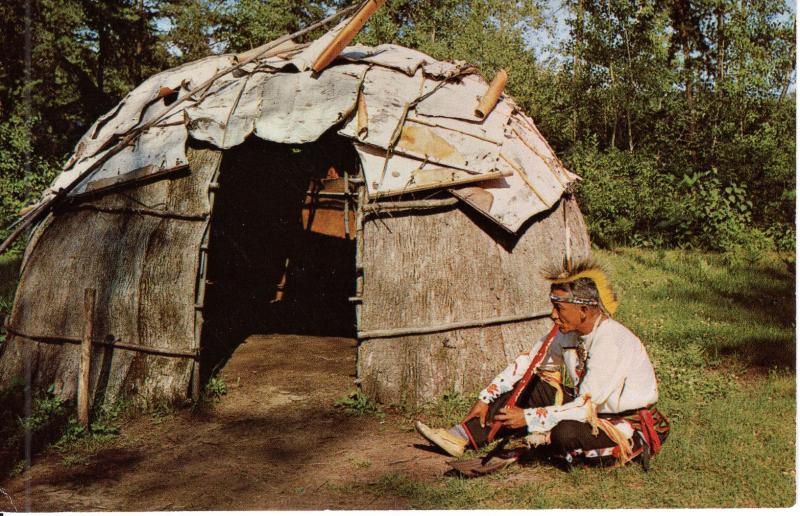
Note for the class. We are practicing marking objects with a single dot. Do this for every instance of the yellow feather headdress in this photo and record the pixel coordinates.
(587, 269)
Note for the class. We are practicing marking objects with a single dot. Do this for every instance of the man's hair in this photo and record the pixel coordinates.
(584, 280)
(583, 288)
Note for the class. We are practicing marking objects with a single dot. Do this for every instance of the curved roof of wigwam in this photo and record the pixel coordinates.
(412, 120)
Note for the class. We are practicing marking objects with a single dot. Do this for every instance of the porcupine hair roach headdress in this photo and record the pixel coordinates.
(587, 284)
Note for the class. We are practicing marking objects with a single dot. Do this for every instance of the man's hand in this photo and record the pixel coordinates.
(479, 410)
(511, 417)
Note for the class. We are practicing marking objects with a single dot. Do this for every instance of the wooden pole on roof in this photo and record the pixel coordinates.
(86, 357)
(492, 95)
(346, 35)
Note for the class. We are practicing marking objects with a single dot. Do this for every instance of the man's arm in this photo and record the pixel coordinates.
(506, 380)
(605, 373)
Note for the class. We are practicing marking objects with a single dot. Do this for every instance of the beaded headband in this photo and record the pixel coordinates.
(573, 300)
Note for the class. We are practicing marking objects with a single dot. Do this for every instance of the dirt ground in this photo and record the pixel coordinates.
(275, 441)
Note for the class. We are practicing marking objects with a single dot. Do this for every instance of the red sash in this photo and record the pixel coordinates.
(648, 428)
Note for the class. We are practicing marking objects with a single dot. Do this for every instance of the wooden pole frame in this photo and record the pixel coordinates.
(85, 368)
(439, 328)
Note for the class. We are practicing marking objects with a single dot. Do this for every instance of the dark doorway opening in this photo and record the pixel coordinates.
(278, 259)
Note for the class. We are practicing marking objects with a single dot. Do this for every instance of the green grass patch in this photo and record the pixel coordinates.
(77, 444)
(358, 404)
(45, 420)
(33, 422)
(720, 331)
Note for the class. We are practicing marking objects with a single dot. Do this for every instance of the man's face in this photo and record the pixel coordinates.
(567, 316)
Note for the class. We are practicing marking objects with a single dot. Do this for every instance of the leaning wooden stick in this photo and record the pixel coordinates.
(86, 358)
(346, 35)
(42, 209)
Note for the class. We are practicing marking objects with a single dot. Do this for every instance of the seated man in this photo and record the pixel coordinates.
(603, 410)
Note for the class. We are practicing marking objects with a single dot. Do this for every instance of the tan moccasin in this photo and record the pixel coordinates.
(440, 437)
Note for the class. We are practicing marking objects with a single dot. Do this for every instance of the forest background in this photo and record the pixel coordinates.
(678, 114)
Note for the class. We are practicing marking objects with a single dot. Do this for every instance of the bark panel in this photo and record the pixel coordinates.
(427, 269)
(144, 269)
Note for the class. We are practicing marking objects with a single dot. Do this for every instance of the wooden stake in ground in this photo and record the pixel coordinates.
(86, 357)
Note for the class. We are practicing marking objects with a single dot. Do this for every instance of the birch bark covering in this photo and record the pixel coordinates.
(427, 269)
(144, 268)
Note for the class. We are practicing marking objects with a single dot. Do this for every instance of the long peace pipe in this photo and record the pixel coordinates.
(40, 210)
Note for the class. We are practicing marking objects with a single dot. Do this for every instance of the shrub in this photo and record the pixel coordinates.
(622, 195)
(216, 388)
(23, 175)
(628, 200)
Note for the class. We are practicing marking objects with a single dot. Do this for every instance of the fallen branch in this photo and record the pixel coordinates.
(13, 505)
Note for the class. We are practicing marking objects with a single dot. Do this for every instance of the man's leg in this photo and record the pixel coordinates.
(569, 437)
(458, 437)
(536, 394)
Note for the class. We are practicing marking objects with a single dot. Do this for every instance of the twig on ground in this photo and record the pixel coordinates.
(402, 461)
(320, 486)
(13, 505)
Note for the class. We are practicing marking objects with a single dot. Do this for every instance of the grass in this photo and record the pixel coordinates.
(358, 404)
(721, 334)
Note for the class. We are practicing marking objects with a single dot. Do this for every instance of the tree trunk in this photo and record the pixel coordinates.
(630, 128)
(102, 43)
(577, 68)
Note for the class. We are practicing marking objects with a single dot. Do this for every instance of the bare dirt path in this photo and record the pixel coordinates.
(275, 441)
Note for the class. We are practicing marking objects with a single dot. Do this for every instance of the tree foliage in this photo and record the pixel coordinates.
(678, 114)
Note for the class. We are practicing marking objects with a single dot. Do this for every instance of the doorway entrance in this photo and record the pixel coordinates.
(280, 260)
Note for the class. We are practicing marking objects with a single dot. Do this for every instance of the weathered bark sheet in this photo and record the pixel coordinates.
(144, 270)
(463, 274)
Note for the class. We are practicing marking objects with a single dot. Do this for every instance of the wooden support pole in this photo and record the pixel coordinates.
(347, 206)
(63, 339)
(196, 380)
(86, 357)
(422, 204)
(439, 328)
(346, 35)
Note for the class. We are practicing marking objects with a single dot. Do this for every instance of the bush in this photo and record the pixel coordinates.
(628, 200)
(23, 175)
(216, 388)
(716, 217)
(622, 196)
